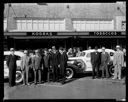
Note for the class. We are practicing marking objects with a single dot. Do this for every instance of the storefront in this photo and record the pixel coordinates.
(34, 40)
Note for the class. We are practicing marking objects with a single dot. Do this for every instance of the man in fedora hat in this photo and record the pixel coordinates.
(25, 65)
(105, 58)
(11, 63)
(118, 62)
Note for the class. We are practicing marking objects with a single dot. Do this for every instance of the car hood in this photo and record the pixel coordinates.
(75, 58)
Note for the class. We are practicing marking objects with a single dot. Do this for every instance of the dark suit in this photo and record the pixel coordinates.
(95, 60)
(63, 64)
(38, 65)
(54, 61)
(105, 58)
(46, 61)
(11, 63)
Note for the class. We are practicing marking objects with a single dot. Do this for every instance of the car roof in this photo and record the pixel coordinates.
(99, 50)
(18, 53)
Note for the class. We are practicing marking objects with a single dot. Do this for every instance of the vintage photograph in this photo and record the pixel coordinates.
(65, 50)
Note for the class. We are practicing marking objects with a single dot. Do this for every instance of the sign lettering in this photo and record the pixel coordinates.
(107, 33)
(41, 33)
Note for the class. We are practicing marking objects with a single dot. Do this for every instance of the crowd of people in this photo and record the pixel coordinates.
(50, 61)
(55, 61)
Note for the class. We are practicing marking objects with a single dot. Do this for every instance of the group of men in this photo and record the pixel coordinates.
(54, 62)
(101, 61)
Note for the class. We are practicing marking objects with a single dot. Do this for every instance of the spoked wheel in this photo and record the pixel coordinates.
(19, 77)
(111, 70)
(69, 73)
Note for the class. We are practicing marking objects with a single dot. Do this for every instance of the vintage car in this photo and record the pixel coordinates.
(84, 65)
(19, 76)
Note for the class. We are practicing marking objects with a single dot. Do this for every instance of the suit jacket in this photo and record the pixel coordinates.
(11, 62)
(118, 58)
(25, 62)
(54, 59)
(46, 61)
(105, 58)
(38, 62)
(63, 58)
(95, 58)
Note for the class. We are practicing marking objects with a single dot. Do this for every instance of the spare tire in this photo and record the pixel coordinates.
(19, 76)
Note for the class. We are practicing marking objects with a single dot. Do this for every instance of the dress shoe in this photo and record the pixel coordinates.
(113, 78)
(119, 78)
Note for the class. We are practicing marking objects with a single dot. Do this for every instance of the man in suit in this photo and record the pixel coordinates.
(11, 63)
(118, 62)
(25, 65)
(54, 60)
(95, 60)
(63, 58)
(38, 66)
(46, 61)
(105, 58)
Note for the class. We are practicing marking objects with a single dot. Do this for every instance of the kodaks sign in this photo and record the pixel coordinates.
(41, 33)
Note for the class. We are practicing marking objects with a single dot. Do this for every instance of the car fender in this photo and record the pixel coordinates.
(72, 66)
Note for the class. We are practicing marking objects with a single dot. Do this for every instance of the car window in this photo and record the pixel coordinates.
(111, 53)
(5, 57)
(88, 55)
(18, 57)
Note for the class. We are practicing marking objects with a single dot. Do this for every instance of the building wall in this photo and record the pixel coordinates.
(40, 25)
(65, 25)
(119, 22)
(93, 25)
(5, 24)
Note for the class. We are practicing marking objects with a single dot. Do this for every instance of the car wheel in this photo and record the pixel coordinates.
(19, 76)
(111, 70)
(69, 73)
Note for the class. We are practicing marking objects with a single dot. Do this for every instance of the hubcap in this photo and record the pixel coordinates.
(69, 73)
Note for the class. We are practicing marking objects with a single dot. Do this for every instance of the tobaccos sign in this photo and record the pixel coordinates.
(112, 33)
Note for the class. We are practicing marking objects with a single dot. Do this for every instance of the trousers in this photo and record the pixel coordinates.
(37, 71)
(25, 75)
(117, 71)
(95, 71)
(104, 68)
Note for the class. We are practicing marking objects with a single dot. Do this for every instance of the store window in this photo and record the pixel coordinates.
(123, 25)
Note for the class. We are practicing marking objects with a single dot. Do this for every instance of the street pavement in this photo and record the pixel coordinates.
(77, 88)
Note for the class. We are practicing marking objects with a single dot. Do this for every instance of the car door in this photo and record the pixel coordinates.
(87, 59)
